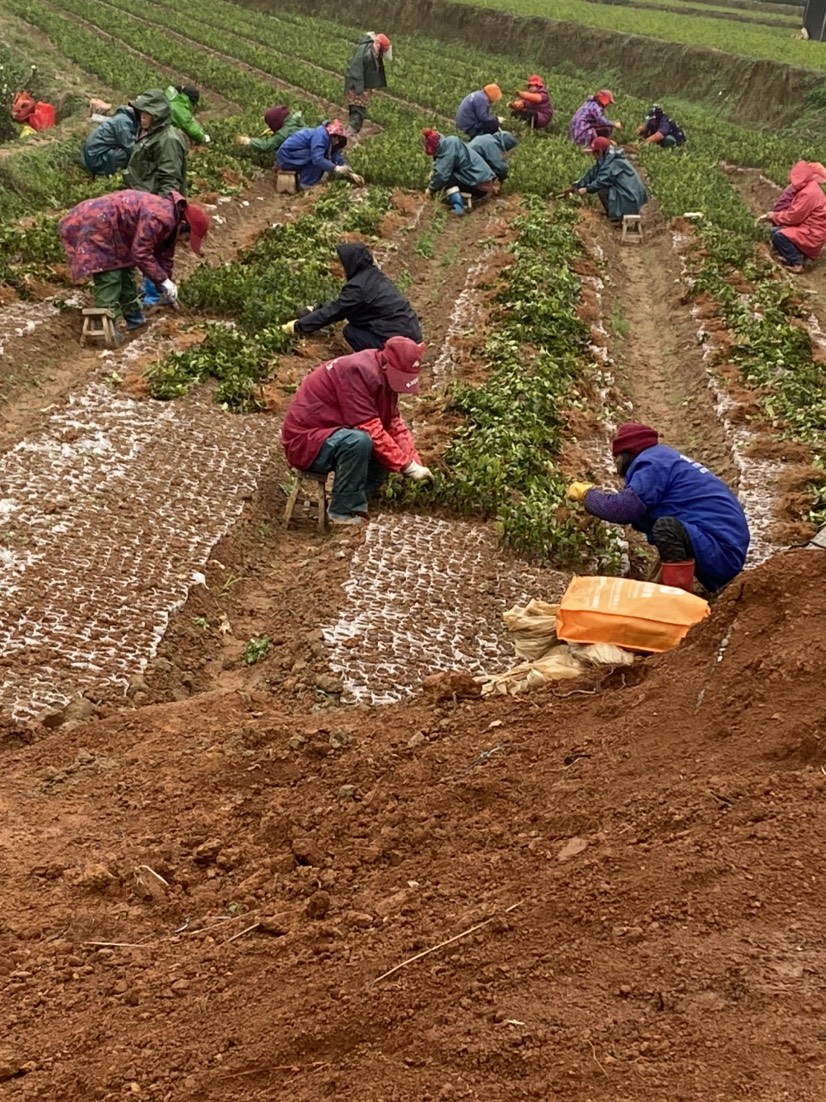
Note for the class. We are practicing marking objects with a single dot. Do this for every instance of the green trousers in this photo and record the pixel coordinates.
(117, 291)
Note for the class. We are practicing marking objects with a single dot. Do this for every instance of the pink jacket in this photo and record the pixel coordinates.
(800, 211)
(350, 392)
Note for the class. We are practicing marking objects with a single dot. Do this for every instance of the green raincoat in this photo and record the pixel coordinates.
(365, 71)
(626, 191)
(182, 115)
(265, 149)
(158, 160)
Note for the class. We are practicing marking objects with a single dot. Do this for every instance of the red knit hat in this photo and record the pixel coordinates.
(402, 359)
(634, 437)
(198, 221)
(600, 144)
(431, 141)
(276, 116)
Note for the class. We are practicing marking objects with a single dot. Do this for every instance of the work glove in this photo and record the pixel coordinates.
(577, 490)
(342, 170)
(358, 181)
(242, 139)
(170, 290)
(582, 191)
(416, 471)
(761, 218)
(207, 139)
(501, 120)
(618, 125)
(289, 328)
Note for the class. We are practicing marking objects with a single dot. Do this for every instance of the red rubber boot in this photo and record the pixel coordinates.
(678, 574)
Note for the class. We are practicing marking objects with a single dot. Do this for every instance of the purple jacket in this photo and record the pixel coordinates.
(125, 229)
(586, 121)
(474, 117)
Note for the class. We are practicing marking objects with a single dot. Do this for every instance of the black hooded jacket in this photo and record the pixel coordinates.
(368, 300)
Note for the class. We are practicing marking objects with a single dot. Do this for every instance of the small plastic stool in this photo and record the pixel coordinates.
(631, 229)
(319, 482)
(286, 183)
(98, 325)
(468, 200)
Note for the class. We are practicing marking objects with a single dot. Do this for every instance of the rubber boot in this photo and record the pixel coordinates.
(679, 574)
(151, 293)
(134, 320)
(454, 197)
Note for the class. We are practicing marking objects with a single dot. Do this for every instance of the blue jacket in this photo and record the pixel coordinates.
(107, 149)
(474, 117)
(309, 152)
(455, 164)
(492, 149)
(672, 485)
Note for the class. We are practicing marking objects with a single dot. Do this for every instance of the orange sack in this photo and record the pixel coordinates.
(638, 615)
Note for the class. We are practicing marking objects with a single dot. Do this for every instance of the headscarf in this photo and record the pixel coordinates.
(604, 96)
(335, 128)
(431, 141)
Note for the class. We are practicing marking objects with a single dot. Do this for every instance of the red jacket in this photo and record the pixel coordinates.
(350, 392)
(800, 211)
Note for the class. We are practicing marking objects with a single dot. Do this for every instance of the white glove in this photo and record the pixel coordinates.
(342, 170)
(356, 179)
(207, 139)
(416, 471)
(500, 120)
(170, 289)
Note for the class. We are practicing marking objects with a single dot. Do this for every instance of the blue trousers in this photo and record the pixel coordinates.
(786, 250)
(349, 452)
(361, 339)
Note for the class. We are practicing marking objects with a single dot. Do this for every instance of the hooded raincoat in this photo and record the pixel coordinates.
(158, 160)
(350, 392)
(309, 152)
(657, 122)
(588, 120)
(366, 70)
(626, 191)
(492, 149)
(109, 146)
(125, 229)
(455, 164)
(182, 115)
(368, 300)
(800, 211)
(474, 117)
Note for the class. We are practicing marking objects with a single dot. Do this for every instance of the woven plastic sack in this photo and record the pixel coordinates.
(641, 616)
(532, 627)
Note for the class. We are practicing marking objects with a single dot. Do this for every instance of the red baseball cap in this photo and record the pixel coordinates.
(198, 221)
(403, 363)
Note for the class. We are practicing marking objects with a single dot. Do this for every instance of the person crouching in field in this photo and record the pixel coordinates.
(281, 123)
(614, 180)
(110, 237)
(184, 100)
(689, 514)
(493, 149)
(456, 168)
(315, 151)
(590, 120)
(473, 116)
(799, 216)
(533, 106)
(659, 129)
(345, 418)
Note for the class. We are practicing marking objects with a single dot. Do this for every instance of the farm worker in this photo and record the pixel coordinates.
(686, 512)
(109, 146)
(614, 180)
(659, 129)
(281, 123)
(534, 104)
(493, 148)
(158, 160)
(364, 74)
(314, 151)
(109, 237)
(799, 216)
(345, 418)
(456, 168)
(589, 120)
(474, 117)
(374, 308)
(31, 113)
(183, 99)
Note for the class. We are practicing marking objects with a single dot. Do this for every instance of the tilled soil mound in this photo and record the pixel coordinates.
(201, 899)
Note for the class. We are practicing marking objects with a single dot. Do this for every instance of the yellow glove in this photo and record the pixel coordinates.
(289, 327)
(577, 490)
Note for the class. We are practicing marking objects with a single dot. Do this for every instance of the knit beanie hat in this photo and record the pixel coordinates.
(633, 437)
(275, 116)
(600, 144)
(493, 92)
(431, 141)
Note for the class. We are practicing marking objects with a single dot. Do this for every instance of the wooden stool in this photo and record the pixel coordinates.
(98, 325)
(631, 229)
(286, 183)
(319, 482)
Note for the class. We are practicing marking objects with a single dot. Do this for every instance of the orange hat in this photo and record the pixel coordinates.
(493, 92)
(383, 43)
(535, 80)
(604, 96)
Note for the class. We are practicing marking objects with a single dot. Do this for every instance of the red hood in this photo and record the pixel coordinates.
(804, 172)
